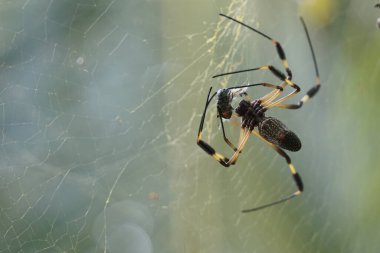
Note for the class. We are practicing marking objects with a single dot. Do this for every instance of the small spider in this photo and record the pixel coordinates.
(252, 114)
(224, 99)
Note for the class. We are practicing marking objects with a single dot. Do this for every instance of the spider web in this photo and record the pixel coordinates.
(100, 105)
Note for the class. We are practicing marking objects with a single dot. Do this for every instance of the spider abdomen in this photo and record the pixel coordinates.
(274, 131)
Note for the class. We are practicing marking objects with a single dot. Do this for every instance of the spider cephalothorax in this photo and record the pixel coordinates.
(271, 129)
(251, 112)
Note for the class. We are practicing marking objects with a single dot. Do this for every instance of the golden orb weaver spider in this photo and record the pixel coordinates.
(252, 113)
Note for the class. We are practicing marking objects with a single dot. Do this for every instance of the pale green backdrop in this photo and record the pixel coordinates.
(100, 103)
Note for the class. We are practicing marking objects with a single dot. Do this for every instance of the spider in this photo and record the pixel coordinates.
(252, 113)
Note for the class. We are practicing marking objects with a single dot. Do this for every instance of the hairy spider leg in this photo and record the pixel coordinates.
(296, 177)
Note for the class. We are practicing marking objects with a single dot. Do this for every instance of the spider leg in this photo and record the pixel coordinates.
(282, 77)
(273, 69)
(313, 90)
(268, 98)
(311, 93)
(243, 132)
(226, 162)
(296, 90)
(254, 84)
(244, 138)
(280, 50)
(277, 89)
(278, 74)
(296, 177)
(224, 134)
(287, 79)
(210, 150)
(204, 145)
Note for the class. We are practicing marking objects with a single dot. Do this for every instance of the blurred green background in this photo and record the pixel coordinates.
(100, 105)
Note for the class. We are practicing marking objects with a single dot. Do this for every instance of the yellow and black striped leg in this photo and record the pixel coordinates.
(205, 146)
(210, 150)
(280, 50)
(277, 88)
(268, 98)
(271, 68)
(243, 132)
(311, 93)
(279, 75)
(255, 84)
(296, 177)
(278, 102)
(244, 135)
(274, 94)
(226, 162)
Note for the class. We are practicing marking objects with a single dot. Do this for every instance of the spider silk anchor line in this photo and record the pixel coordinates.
(252, 113)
